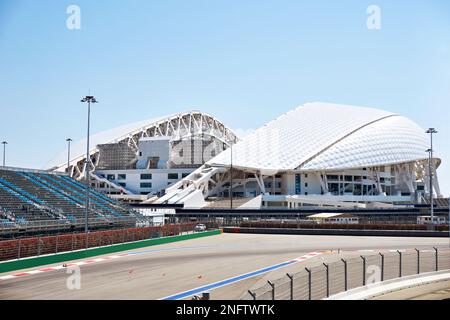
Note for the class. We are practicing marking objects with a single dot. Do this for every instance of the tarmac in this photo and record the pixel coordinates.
(163, 270)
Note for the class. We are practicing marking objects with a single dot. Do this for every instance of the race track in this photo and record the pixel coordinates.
(164, 270)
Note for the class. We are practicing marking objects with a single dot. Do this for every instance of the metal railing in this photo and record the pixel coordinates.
(62, 224)
(42, 245)
(326, 279)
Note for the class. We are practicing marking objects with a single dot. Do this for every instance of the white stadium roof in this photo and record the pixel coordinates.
(78, 149)
(325, 136)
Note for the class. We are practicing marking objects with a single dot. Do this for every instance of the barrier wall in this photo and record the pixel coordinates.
(36, 246)
(340, 232)
(344, 226)
(64, 257)
(324, 280)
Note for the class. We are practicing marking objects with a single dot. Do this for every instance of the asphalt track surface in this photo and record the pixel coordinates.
(164, 270)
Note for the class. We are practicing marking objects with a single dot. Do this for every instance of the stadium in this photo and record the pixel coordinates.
(227, 215)
(246, 152)
(319, 154)
(315, 157)
(137, 161)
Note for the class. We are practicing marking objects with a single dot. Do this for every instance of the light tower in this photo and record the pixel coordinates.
(4, 152)
(68, 154)
(89, 100)
(430, 131)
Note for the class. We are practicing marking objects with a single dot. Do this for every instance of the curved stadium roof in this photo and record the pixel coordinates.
(78, 149)
(121, 133)
(324, 136)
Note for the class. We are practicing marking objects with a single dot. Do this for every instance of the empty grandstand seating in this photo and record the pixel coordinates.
(225, 203)
(438, 202)
(442, 202)
(30, 196)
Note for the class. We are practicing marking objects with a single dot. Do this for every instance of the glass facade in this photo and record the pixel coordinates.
(146, 176)
(298, 184)
(146, 184)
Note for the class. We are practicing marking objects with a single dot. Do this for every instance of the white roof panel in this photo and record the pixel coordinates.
(297, 136)
(78, 149)
(388, 141)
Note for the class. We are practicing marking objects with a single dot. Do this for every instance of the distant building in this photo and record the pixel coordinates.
(328, 217)
(428, 220)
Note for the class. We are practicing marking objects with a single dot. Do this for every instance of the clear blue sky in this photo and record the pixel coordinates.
(245, 62)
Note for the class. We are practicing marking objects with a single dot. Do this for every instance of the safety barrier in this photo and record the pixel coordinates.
(340, 232)
(37, 246)
(342, 226)
(374, 290)
(325, 280)
(64, 257)
(22, 226)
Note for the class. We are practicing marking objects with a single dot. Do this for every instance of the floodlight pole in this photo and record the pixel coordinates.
(431, 131)
(231, 177)
(68, 154)
(89, 100)
(4, 152)
(429, 173)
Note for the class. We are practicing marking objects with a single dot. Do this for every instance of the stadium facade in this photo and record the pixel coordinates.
(138, 161)
(319, 154)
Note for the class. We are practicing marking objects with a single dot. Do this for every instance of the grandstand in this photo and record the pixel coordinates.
(438, 202)
(31, 199)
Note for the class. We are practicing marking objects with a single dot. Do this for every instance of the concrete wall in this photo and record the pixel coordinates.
(340, 232)
(153, 147)
(288, 183)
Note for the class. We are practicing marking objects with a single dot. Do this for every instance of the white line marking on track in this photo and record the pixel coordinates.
(222, 283)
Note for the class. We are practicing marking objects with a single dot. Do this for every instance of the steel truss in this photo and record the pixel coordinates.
(181, 126)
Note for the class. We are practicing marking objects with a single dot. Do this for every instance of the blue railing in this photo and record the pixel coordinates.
(83, 188)
(105, 207)
(22, 192)
(62, 185)
(71, 218)
(33, 179)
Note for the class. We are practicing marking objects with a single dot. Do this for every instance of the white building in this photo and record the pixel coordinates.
(139, 160)
(319, 154)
